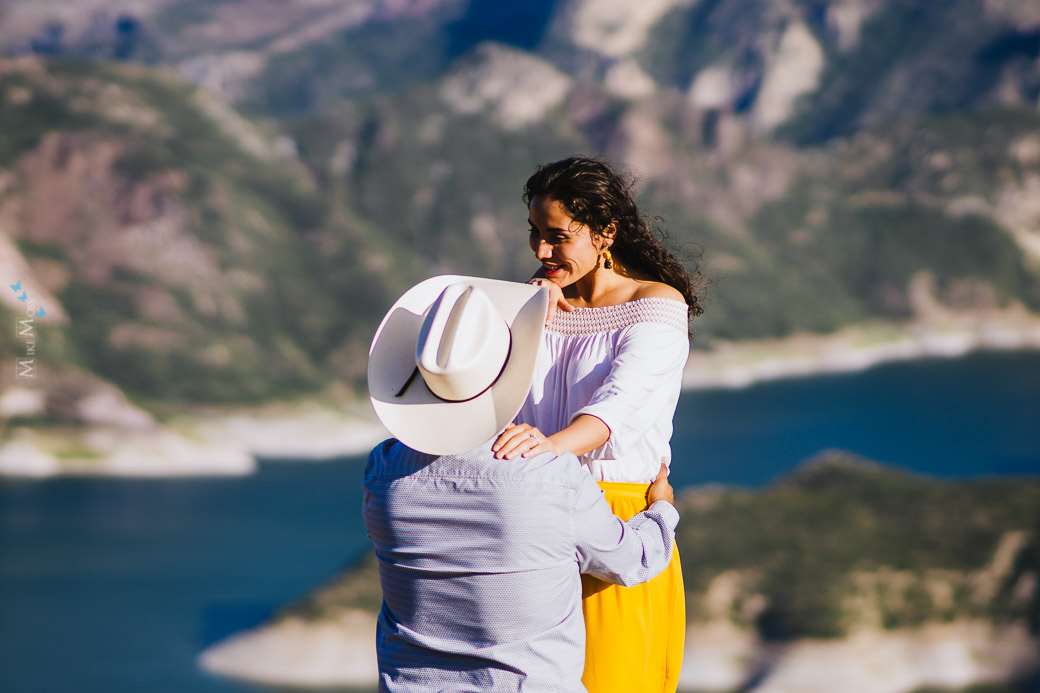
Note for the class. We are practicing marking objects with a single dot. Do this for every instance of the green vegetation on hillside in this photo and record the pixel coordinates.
(840, 245)
(868, 215)
(247, 282)
(911, 57)
(801, 541)
(27, 113)
(374, 58)
(426, 181)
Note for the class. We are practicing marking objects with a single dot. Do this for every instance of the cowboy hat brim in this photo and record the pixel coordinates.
(416, 416)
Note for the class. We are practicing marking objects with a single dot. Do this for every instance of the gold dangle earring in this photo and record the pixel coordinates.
(607, 262)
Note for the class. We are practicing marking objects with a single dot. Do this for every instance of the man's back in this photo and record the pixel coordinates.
(479, 561)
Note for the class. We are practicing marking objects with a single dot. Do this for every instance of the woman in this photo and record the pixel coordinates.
(606, 389)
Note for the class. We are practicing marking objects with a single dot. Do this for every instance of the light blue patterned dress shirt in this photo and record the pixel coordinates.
(479, 561)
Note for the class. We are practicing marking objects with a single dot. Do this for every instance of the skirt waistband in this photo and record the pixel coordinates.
(624, 489)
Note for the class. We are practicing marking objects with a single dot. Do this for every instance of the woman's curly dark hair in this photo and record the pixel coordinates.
(594, 194)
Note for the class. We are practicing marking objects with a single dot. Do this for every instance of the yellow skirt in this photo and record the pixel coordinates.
(634, 635)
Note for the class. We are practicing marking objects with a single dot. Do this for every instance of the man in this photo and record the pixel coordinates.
(479, 559)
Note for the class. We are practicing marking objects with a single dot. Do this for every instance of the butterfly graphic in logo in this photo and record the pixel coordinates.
(16, 287)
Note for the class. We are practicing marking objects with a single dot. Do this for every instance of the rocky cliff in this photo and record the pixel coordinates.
(176, 256)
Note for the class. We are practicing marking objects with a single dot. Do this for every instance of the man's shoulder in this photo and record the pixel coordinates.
(563, 468)
(393, 457)
(381, 452)
(383, 449)
(388, 455)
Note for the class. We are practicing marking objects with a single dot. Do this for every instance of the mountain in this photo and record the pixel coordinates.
(214, 200)
(845, 575)
(818, 68)
(181, 252)
(797, 239)
(800, 144)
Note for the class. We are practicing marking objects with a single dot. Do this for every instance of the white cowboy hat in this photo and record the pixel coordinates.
(452, 361)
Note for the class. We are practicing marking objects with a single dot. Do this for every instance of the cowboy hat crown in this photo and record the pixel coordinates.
(452, 361)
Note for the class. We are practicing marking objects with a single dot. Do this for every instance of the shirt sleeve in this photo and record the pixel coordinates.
(619, 552)
(648, 365)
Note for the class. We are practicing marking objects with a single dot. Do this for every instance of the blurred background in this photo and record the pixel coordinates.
(206, 206)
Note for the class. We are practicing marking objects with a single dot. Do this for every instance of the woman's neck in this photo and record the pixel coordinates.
(601, 287)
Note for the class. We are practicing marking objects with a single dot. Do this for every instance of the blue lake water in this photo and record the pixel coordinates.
(112, 585)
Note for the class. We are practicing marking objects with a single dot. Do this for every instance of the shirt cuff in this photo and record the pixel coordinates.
(667, 512)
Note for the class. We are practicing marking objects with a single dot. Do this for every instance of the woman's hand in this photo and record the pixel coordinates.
(522, 440)
(660, 489)
(556, 299)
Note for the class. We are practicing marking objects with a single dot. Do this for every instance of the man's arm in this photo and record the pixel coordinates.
(625, 553)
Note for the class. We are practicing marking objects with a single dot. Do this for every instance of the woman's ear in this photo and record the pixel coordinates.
(608, 234)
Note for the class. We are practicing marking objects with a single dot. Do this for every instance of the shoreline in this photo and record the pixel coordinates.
(232, 442)
(226, 443)
(718, 657)
(736, 365)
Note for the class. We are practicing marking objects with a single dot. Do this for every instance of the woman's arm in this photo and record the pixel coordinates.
(584, 434)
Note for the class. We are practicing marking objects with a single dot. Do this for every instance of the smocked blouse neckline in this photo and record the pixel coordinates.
(596, 319)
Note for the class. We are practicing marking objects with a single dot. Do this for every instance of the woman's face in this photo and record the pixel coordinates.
(566, 248)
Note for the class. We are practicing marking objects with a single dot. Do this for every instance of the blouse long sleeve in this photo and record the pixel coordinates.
(642, 387)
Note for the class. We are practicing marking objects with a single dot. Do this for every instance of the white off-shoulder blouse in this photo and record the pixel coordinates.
(622, 364)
